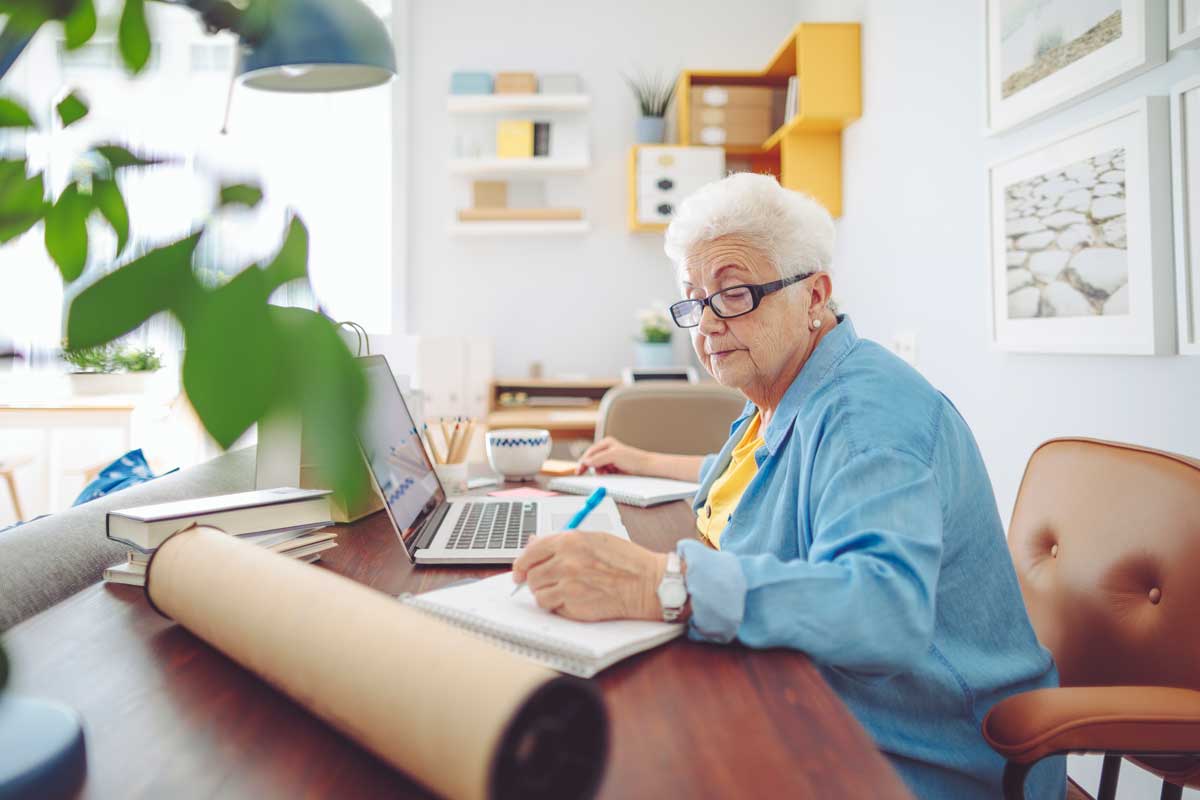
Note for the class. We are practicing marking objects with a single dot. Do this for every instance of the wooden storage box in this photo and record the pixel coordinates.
(515, 83)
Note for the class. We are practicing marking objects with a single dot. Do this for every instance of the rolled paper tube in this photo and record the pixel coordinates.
(461, 716)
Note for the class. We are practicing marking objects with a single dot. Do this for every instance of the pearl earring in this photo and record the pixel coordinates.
(816, 323)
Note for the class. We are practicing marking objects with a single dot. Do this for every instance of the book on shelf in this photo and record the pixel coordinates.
(792, 103)
(488, 608)
(146, 527)
(541, 138)
(304, 544)
(514, 138)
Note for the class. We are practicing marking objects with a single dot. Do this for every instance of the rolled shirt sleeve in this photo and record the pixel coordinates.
(862, 598)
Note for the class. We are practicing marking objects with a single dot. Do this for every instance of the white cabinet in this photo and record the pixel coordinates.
(665, 175)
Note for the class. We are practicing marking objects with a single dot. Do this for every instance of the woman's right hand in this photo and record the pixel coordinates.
(611, 456)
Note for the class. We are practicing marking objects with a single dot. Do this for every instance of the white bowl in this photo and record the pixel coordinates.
(518, 453)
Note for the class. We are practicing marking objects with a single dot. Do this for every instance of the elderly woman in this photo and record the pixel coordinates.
(849, 516)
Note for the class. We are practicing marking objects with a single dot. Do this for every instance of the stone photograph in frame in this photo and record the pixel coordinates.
(1185, 158)
(1080, 239)
(1045, 54)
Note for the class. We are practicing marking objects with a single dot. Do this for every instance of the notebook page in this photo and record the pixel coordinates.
(627, 486)
(491, 601)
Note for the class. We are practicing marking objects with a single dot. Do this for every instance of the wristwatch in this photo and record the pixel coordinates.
(672, 592)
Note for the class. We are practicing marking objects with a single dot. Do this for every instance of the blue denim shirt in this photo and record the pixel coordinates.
(870, 540)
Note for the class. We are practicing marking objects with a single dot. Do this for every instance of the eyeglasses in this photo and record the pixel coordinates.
(729, 303)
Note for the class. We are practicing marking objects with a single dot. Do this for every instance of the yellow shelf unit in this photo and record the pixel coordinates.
(805, 152)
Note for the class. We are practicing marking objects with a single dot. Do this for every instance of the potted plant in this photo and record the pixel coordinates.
(110, 368)
(653, 96)
(653, 343)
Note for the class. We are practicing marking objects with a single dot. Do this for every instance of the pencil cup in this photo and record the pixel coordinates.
(453, 477)
(518, 453)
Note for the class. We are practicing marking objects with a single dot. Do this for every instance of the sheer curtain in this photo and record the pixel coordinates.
(328, 157)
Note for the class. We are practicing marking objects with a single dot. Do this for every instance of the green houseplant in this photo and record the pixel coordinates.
(245, 358)
(653, 97)
(110, 368)
(653, 342)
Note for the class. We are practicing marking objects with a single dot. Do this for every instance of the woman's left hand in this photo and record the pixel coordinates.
(589, 576)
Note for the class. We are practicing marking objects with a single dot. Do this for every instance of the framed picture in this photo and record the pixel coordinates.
(1185, 152)
(1183, 23)
(1044, 54)
(1080, 231)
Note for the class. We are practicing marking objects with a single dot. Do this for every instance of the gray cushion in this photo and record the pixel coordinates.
(49, 559)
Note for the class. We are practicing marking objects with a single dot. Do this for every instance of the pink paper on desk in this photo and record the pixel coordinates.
(524, 491)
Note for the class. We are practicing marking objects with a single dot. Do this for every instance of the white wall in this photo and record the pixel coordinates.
(912, 253)
(568, 302)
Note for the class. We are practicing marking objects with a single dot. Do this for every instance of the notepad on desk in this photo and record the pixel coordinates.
(516, 622)
(633, 490)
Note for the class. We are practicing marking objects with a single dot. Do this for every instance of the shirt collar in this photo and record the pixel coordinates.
(829, 353)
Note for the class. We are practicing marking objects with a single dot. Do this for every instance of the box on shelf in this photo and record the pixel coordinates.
(563, 83)
(732, 96)
(514, 138)
(470, 83)
(516, 83)
(489, 194)
(732, 125)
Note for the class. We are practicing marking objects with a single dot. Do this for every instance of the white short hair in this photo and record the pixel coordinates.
(794, 230)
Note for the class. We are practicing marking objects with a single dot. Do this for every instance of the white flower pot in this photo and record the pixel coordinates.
(653, 354)
(100, 383)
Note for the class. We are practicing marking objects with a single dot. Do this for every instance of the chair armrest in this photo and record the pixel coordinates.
(1027, 727)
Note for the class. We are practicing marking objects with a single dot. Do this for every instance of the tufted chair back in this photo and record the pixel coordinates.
(1105, 538)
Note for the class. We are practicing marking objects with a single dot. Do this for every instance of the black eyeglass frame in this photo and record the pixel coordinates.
(757, 293)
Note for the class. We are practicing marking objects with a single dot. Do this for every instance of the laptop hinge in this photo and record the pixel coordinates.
(429, 527)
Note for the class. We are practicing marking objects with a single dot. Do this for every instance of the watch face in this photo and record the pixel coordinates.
(672, 595)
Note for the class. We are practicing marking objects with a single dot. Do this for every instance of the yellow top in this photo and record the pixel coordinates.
(726, 491)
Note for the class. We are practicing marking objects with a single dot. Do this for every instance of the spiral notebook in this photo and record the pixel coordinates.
(515, 622)
(633, 490)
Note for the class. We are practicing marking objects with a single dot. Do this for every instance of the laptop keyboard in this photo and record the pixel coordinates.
(493, 526)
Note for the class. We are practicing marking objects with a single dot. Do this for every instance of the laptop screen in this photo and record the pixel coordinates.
(391, 443)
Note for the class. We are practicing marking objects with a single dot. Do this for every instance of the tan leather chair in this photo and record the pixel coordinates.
(1105, 538)
(682, 418)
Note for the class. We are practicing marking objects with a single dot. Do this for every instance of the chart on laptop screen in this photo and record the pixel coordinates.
(394, 452)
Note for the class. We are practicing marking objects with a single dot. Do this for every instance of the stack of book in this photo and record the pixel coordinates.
(287, 521)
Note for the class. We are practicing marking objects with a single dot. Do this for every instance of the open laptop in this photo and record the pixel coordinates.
(433, 528)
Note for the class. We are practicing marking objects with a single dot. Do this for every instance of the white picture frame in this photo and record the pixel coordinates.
(1139, 46)
(1183, 23)
(1045, 211)
(1185, 173)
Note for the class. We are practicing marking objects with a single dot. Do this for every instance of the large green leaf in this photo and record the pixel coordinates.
(110, 202)
(231, 369)
(22, 201)
(71, 109)
(120, 157)
(66, 231)
(326, 383)
(291, 262)
(14, 115)
(245, 194)
(133, 36)
(122, 300)
(80, 24)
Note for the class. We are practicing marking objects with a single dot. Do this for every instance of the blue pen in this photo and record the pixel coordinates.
(577, 520)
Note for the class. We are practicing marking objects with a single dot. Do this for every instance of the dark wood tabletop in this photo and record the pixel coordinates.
(168, 716)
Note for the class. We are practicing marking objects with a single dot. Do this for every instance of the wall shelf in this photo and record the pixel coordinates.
(538, 165)
(500, 103)
(518, 228)
(805, 152)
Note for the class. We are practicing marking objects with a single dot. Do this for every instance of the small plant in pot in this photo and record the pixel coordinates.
(653, 342)
(111, 368)
(653, 96)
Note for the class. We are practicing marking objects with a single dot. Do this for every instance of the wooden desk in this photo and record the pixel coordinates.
(168, 716)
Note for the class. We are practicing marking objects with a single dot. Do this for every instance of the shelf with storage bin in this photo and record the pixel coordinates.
(804, 152)
(495, 103)
(500, 188)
